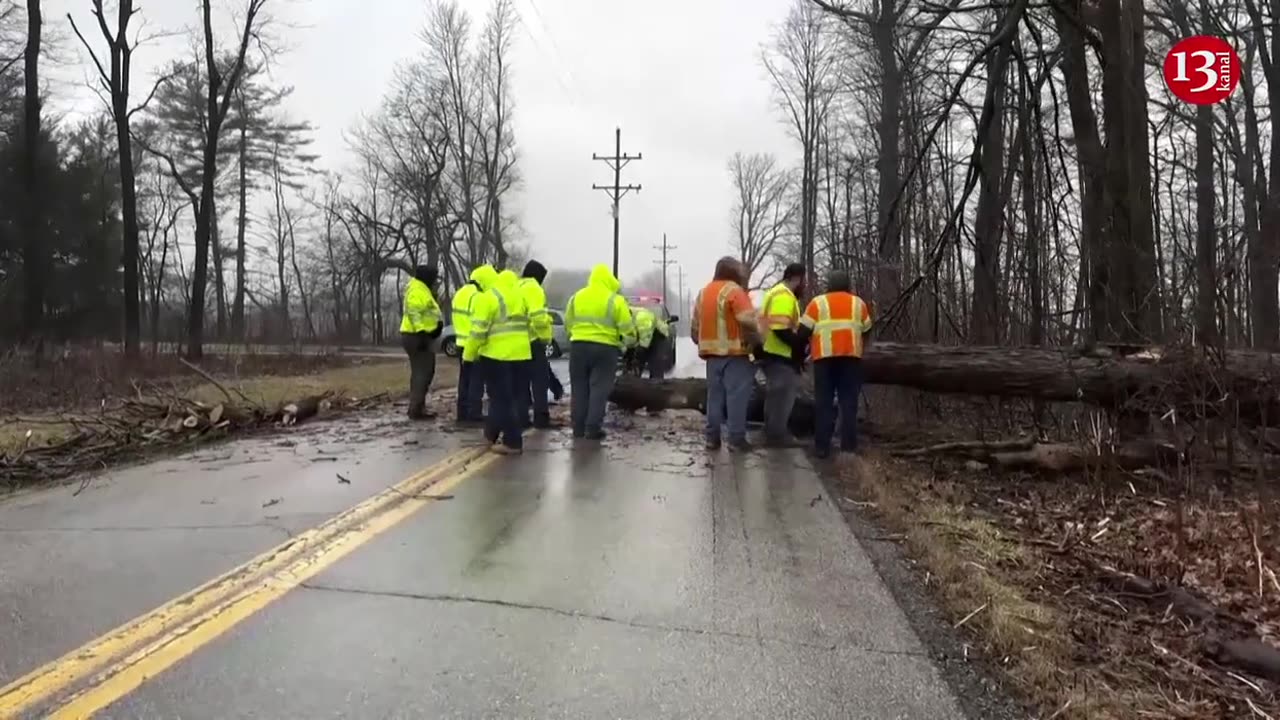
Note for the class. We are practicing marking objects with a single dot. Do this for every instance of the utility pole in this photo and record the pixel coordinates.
(683, 305)
(665, 263)
(616, 162)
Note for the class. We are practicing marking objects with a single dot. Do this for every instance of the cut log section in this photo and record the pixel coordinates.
(1140, 380)
(631, 393)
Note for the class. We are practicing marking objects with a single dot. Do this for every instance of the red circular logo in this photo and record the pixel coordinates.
(1202, 70)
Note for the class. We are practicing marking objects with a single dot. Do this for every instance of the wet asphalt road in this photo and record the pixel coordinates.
(640, 579)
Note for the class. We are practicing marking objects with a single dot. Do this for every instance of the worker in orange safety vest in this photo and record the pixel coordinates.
(725, 328)
(835, 325)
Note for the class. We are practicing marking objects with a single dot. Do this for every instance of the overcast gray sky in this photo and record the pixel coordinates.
(682, 78)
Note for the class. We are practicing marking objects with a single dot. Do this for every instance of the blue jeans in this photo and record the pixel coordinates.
(836, 380)
(730, 381)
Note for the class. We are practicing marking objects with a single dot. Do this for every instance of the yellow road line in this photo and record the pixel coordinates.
(59, 675)
(127, 675)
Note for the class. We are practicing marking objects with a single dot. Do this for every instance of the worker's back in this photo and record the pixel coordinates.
(838, 320)
(598, 314)
(508, 338)
(720, 312)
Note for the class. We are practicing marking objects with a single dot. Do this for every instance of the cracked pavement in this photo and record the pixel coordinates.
(641, 579)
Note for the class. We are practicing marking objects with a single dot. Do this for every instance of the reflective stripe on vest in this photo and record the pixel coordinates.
(507, 324)
(536, 316)
(608, 320)
(463, 335)
(837, 336)
(721, 344)
(770, 320)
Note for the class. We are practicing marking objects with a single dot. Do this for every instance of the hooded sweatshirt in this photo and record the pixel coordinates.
(535, 300)
(462, 307)
(496, 311)
(598, 314)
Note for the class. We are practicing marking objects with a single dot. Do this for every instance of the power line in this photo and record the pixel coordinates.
(617, 190)
(664, 262)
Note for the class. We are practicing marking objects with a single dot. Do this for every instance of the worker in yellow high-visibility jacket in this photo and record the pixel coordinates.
(600, 328)
(419, 327)
(537, 371)
(499, 342)
(652, 335)
(470, 405)
(782, 354)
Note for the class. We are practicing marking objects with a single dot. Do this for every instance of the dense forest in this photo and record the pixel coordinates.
(1017, 173)
(187, 207)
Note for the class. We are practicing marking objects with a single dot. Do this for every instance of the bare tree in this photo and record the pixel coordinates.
(115, 82)
(763, 209)
(803, 64)
(221, 90)
(33, 247)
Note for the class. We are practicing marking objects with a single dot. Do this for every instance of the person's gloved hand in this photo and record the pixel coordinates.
(436, 333)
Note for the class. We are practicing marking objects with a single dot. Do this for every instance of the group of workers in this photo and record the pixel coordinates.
(782, 340)
(502, 327)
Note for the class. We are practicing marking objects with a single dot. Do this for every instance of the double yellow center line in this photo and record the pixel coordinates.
(92, 677)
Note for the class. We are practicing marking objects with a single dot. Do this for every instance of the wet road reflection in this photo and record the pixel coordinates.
(638, 578)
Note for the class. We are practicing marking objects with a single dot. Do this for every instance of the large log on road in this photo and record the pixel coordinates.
(631, 393)
(1195, 384)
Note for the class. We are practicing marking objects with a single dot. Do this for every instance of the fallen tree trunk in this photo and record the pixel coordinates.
(1239, 384)
(631, 393)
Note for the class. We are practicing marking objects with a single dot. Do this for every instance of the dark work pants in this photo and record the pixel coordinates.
(500, 383)
(470, 393)
(554, 384)
(836, 380)
(656, 355)
(422, 369)
(593, 367)
(536, 376)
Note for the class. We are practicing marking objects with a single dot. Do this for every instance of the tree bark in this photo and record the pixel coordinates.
(237, 307)
(33, 244)
(985, 326)
(1127, 378)
(888, 159)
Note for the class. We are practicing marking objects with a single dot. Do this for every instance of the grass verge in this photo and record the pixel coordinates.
(50, 445)
(1014, 563)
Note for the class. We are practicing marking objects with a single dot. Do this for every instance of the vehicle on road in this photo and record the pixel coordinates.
(556, 348)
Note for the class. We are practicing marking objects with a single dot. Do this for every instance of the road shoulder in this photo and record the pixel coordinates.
(982, 692)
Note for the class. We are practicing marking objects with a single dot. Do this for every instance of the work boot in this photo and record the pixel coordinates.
(739, 446)
(822, 453)
(713, 445)
(506, 450)
(597, 434)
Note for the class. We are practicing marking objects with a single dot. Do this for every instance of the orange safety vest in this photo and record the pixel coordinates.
(719, 333)
(837, 320)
